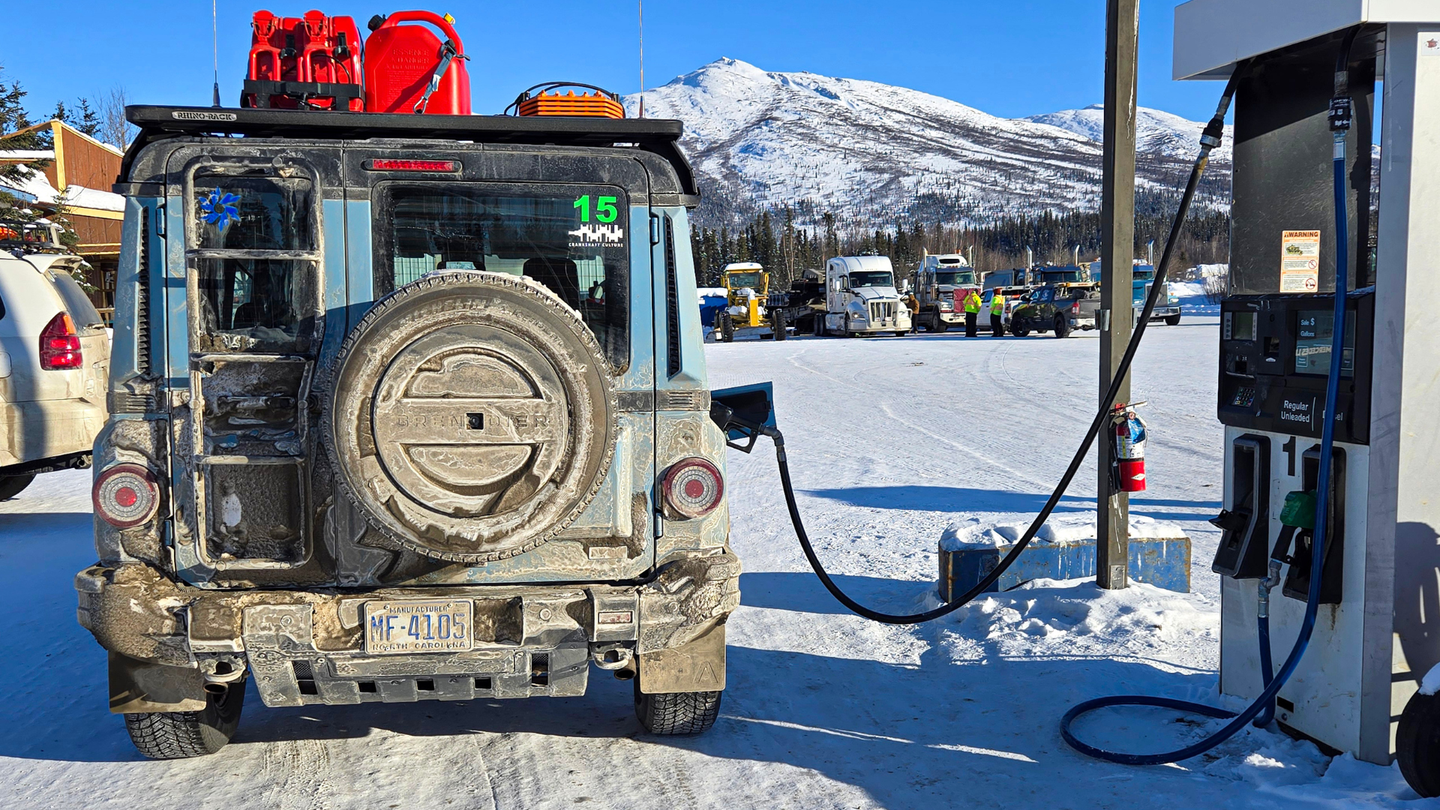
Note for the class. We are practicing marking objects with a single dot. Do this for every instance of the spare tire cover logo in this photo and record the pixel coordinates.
(466, 430)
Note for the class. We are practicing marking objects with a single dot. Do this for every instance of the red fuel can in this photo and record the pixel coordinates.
(310, 62)
(402, 62)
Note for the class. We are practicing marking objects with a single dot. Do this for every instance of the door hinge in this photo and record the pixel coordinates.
(659, 525)
(654, 230)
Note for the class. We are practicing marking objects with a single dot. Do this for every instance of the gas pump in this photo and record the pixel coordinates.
(1370, 641)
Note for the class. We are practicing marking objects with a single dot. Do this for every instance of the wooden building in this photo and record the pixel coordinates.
(77, 177)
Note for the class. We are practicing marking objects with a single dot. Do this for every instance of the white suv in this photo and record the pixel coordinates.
(54, 366)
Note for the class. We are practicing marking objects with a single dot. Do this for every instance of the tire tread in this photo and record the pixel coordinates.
(679, 713)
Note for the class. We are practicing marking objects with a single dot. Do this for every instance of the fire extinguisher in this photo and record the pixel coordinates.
(1128, 470)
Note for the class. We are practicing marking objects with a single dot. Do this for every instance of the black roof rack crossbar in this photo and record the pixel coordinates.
(344, 124)
(657, 135)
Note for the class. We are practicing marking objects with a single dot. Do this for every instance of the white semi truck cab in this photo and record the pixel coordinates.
(860, 298)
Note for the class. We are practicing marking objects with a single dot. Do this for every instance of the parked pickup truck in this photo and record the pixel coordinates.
(1060, 308)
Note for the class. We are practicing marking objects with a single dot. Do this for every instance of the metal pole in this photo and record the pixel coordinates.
(1117, 254)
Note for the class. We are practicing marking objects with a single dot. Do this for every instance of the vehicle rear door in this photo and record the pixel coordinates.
(578, 223)
(246, 321)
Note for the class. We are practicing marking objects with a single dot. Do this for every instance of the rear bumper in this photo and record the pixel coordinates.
(307, 647)
(1160, 312)
(43, 430)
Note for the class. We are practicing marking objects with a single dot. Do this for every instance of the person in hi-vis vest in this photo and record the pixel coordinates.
(997, 314)
(972, 313)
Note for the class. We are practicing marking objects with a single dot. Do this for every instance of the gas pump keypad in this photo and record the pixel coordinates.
(1273, 371)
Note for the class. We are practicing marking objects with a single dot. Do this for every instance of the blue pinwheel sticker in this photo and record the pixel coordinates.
(219, 208)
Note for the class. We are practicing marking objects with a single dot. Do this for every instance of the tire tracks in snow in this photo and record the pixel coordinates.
(299, 774)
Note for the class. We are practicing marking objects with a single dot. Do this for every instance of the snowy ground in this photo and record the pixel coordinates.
(891, 440)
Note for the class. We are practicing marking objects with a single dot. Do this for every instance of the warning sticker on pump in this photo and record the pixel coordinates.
(1300, 262)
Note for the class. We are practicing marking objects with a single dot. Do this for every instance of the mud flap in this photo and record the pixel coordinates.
(696, 666)
(139, 686)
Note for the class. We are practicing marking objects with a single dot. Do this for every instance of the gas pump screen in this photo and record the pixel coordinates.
(1315, 329)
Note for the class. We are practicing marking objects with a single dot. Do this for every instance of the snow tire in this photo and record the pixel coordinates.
(1172, 320)
(1062, 327)
(182, 735)
(1417, 744)
(677, 714)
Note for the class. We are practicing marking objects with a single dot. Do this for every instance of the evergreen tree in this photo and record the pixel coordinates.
(14, 119)
(85, 118)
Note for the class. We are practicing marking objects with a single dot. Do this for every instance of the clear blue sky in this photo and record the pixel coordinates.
(1011, 58)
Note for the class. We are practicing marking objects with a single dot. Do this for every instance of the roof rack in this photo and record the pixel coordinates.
(657, 135)
(30, 237)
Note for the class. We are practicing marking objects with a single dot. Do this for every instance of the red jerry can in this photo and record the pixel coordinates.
(409, 70)
(312, 62)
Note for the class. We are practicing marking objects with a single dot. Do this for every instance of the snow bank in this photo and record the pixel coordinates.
(1075, 527)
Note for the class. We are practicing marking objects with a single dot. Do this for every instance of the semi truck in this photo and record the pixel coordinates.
(941, 283)
(861, 298)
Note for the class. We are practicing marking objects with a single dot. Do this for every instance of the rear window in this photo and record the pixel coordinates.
(572, 239)
(77, 303)
(254, 236)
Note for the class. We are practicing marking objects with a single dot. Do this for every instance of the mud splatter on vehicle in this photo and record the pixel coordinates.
(399, 429)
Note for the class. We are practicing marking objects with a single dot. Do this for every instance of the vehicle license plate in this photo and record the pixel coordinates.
(419, 626)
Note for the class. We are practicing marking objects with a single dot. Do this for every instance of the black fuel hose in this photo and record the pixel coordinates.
(1263, 707)
(1209, 140)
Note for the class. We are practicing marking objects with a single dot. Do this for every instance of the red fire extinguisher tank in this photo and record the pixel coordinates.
(401, 62)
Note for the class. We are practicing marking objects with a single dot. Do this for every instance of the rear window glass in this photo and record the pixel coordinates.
(572, 239)
(77, 303)
(261, 305)
(253, 213)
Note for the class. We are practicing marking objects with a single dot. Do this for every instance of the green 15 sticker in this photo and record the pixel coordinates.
(605, 210)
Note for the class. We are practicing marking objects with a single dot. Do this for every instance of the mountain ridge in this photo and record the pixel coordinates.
(874, 153)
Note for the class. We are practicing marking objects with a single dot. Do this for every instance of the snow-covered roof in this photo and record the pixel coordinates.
(36, 187)
(26, 154)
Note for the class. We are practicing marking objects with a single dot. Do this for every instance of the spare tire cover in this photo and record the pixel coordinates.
(471, 417)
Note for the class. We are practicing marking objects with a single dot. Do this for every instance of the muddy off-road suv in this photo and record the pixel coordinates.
(405, 408)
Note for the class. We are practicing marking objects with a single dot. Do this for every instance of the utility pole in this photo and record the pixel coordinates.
(1117, 254)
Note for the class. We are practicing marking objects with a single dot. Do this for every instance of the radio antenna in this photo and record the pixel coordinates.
(215, 50)
(641, 6)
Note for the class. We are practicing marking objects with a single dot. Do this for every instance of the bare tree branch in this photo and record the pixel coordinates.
(114, 129)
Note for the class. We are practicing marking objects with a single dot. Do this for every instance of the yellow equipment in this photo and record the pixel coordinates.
(747, 288)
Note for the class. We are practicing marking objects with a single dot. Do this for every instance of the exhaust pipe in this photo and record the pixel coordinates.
(219, 673)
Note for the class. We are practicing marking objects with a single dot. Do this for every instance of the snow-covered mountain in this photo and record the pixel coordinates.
(872, 152)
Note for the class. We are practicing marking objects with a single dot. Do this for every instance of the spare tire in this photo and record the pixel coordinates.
(471, 417)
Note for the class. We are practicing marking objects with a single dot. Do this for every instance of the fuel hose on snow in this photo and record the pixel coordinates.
(1262, 707)
(1210, 139)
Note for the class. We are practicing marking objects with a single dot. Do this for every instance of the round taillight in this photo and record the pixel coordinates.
(126, 495)
(693, 488)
